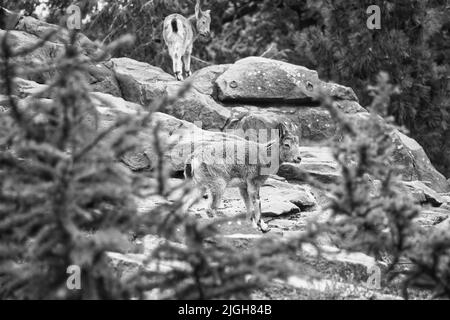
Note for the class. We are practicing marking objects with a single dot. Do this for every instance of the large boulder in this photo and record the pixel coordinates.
(194, 106)
(424, 182)
(111, 108)
(8, 19)
(204, 80)
(177, 137)
(299, 195)
(317, 162)
(424, 194)
(257, 79)
(140, 82)
(100, 76)
(311, 124)
(24, 88)
(417, 165)
(250, 123)
(143, 83)
(42, 56)
(41, 29)
(102, 79)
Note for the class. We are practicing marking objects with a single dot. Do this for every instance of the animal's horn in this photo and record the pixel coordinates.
(197, 7)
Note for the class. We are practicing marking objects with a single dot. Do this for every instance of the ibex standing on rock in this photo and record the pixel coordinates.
(215, 172)
(180, 33)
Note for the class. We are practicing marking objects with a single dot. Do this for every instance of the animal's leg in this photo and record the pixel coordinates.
(177, 66)
(187, 63)
(258, 223)
(248, 203)
(217, 190)
(192, 198)
(172, 56)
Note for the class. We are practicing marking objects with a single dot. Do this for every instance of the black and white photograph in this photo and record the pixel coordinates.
(235, 152)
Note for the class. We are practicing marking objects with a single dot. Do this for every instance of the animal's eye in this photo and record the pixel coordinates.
(287, 145)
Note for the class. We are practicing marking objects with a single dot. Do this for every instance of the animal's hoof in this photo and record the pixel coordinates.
(260, 225)
(211, 213)
(220, 214)
(188, 73)
(263, 227)
(179, 76)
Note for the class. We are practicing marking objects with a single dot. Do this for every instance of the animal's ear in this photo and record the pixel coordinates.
(270, 145)
(207, 12)
(282, 130)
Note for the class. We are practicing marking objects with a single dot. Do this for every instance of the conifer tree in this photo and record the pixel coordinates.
(371, 209)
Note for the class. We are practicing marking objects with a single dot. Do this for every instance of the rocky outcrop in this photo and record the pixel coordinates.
(29, 30)
(41, 29)
(253, 93)
(274, 92)
(143, 83)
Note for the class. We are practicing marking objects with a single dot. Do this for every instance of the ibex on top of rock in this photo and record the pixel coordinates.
(180, 33)
(246, 165)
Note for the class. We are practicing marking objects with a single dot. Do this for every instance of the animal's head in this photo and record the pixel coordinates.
(289, 145)
(203, 21)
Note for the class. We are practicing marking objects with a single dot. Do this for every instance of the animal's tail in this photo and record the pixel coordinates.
(189, 166)
(174, 25)
(188, 174)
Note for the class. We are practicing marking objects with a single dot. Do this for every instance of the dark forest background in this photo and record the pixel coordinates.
(330, 36)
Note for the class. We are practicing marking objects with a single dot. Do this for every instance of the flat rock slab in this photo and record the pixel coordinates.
(432, 217)
(197, 107)
(140, 82)
(257, 79)
(317, 162)
(300, 195)
(424, 194)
